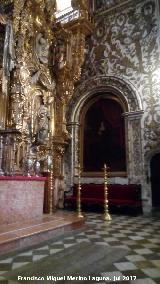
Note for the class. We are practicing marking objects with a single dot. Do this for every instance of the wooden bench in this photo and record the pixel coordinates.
(128, 195)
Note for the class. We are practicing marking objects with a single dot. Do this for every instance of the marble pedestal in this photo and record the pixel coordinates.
(21, 198)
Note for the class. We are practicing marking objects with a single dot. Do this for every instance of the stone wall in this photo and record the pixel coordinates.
(126, 43)
(125, 48)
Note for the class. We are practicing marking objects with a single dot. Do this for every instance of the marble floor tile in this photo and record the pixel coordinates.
(135, 257)
(152, 272)
(143, 251)
(122, 266)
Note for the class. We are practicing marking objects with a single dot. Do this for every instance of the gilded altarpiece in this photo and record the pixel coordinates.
(43, 58)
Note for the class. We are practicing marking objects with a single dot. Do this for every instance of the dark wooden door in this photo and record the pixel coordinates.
(155, 180)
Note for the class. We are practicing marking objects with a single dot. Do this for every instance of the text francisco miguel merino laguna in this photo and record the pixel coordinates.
(69, 278)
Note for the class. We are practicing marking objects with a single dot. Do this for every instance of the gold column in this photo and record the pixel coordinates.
(106, 215)
(3, 105)
(52, 118)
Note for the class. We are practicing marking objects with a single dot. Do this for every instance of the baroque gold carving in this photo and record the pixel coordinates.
(47, 64)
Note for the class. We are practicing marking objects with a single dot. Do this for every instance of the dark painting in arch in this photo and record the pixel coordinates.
(104, 137)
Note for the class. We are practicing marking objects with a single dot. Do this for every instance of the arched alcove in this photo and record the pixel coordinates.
(128, 98)
(102, 139)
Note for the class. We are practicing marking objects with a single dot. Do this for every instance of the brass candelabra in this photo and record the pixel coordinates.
(51, 188)
(106, 215)
(79, 211)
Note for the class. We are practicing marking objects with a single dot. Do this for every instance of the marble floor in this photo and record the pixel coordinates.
(140, 235)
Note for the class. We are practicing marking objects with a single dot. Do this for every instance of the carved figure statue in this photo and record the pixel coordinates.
(42, 125)
(42, 48)
(60, 54)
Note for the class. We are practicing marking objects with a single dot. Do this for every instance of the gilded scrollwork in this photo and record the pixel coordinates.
(3, 19)
(18, 7)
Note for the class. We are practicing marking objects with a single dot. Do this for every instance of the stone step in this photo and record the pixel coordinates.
(18, 236)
